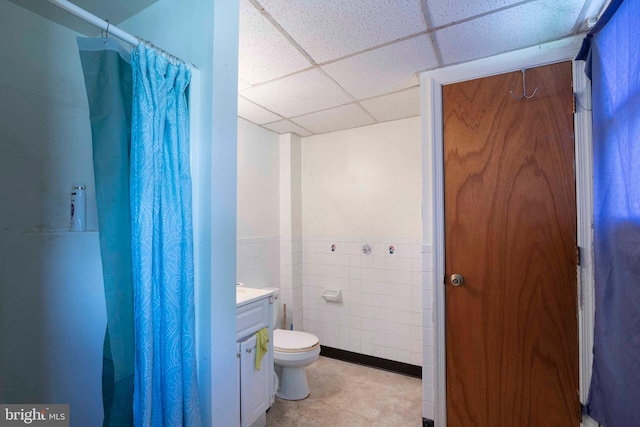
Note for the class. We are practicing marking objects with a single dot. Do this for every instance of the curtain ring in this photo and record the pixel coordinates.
(106, 34)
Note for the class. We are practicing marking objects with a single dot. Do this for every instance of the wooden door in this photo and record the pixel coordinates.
(510, 214)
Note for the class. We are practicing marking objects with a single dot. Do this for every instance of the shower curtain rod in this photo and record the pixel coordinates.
(106, 26)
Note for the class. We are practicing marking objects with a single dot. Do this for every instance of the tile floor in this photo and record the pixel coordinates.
(350, 395)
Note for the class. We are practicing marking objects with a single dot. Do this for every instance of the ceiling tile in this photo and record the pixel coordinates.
(444, 12)
(383, 70)
(508, 30)
(298, 94)
(285, 126)
(255, 113)
(395, 106)
(345, 117)
(327, 30)
(265, 53)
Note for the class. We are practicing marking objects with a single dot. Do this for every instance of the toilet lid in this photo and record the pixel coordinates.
(293, 340)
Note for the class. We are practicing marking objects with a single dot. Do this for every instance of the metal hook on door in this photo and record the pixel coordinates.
(524, 89)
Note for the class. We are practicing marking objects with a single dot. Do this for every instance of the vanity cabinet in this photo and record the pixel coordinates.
(256, 386)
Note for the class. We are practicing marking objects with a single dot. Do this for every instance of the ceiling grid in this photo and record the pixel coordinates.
(312, 66)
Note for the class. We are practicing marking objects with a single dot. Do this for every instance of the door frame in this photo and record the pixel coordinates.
(431, 82)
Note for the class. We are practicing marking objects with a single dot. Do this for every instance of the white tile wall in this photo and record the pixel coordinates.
(258, 262)
(274, 262)
(291, 280)
(381, 314)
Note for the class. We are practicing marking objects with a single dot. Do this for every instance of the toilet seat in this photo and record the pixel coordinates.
(285, 341)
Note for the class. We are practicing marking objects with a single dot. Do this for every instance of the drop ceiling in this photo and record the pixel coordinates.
(317, 66)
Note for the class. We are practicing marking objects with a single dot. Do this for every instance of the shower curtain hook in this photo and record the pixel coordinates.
(524, 89)
(106, 34)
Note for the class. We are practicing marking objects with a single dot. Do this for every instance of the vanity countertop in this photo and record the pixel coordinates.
(247, 295)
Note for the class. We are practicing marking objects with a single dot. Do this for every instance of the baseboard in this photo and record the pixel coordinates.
(375, 362)
(426, 422)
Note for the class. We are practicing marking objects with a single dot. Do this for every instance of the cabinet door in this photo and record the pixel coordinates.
(254, 384)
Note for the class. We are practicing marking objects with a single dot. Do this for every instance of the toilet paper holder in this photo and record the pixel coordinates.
(333, 295)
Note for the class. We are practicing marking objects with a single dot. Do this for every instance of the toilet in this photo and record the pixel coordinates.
(292, 352)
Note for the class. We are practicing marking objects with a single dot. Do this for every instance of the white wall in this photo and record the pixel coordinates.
(362, 186)
(258, 252)
(364, 181)
(206, 34)
(269, 214)
(258, 181)
(291, 229)
(52, 311)
(350, 187)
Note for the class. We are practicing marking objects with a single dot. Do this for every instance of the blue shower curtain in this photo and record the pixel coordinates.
(107, 75)
(139, 126)
(614, 395)
(165, 391)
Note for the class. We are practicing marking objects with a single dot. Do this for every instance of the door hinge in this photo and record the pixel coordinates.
(578, 255)
(582, 412)
(574, 102)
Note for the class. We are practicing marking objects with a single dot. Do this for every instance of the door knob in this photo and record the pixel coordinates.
(457, 279)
